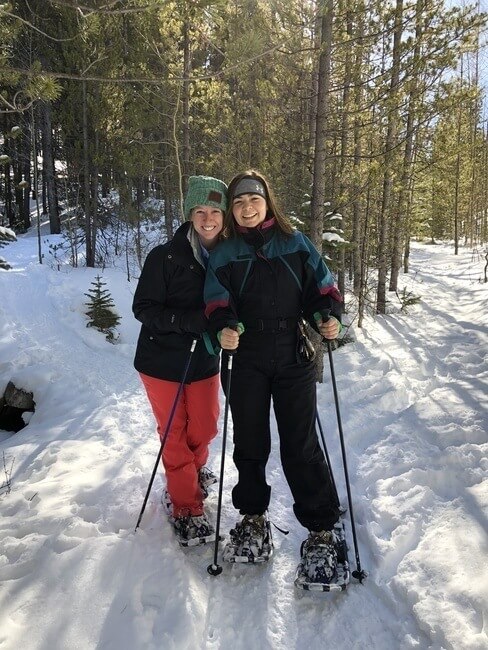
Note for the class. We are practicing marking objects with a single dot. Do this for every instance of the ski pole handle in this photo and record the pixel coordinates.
(325, 313)
(232, 325)
(326, 317)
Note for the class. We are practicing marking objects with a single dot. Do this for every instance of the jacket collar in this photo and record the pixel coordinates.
(186, 245)
(260, 235)
(263, 226)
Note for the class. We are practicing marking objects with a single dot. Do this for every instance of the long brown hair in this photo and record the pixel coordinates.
(282, 222)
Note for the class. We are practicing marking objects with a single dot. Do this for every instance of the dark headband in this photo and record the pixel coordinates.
(249, 185)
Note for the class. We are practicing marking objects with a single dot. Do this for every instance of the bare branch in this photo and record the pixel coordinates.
(6, 485)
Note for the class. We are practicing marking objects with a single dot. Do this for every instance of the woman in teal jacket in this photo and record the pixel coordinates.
(265, 277)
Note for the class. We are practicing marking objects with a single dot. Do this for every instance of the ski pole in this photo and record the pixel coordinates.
(359, 574)
(327, 458)
(168, 426)
(215, 569)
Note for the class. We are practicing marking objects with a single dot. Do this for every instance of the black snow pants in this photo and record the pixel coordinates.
(264, 368)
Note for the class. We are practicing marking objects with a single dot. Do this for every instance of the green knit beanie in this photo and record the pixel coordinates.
(205, 190)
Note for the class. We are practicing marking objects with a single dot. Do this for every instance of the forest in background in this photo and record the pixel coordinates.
(368, 117)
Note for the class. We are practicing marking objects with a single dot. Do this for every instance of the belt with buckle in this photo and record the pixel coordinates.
(271, 324)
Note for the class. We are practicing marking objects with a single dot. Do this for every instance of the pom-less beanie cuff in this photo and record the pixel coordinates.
(205, 190)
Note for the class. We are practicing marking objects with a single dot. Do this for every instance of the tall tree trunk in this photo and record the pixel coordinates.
(44, 192)
(356, 191)
(35, 176)
(186, 105)
(484, 191)
(24, 216)
(400, 218)
(20, 153)
(48, 171)
(312, 122)
(7, 170)
(320, 154)
(9, 208)
(391, 134)
(457, 179)
(474, 204)
(344, 146)
(90, 255)
(94, 195)
(168, 195)
(406, 248)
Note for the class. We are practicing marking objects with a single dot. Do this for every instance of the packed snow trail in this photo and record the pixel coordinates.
(73, 573)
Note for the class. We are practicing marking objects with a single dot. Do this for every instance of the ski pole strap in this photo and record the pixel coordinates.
(285, 532)
(323, 315)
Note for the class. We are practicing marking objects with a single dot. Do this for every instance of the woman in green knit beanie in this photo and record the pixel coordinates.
(169, 303)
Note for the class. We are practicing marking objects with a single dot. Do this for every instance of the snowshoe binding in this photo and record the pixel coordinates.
(250, 540)
(206, 478)
(167, 505)
(324, 564)
(193, 530)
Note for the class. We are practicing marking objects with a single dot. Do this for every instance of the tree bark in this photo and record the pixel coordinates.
(344, 149)
(186, 106)
(400, 218)
(90, 257)
(391, 134)
(48, 171)
(357, 209)
(320, 154)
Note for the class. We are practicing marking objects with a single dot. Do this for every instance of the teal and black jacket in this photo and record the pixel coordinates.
(267, 281)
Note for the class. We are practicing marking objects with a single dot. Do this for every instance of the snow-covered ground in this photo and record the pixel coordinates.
(413, 390)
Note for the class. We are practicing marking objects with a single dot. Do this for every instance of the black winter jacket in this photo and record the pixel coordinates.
(169, 303)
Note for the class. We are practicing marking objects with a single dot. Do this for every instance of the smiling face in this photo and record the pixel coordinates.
(249, 210)
(207, 222)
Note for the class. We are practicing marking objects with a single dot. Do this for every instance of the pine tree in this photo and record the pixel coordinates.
(6, 236)
(100, 309)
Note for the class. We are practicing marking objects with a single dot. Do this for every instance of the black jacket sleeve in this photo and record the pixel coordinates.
(320, 293)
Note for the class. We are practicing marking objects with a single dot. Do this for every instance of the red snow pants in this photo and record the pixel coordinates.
(194, 426)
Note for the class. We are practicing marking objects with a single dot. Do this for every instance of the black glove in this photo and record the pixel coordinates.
(194, 322)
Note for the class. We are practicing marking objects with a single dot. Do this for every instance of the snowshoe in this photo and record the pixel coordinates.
(206, 478)
(167, 505)
(324, 565)
(250, 541)
(193, 530)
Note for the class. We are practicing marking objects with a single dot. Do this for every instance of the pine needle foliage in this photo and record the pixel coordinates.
(101, 310)
(407, 299)
(6, 236)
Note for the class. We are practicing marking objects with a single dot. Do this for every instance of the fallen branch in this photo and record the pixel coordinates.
(6, 486)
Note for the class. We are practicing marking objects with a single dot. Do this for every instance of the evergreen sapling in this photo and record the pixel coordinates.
(101, 310)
